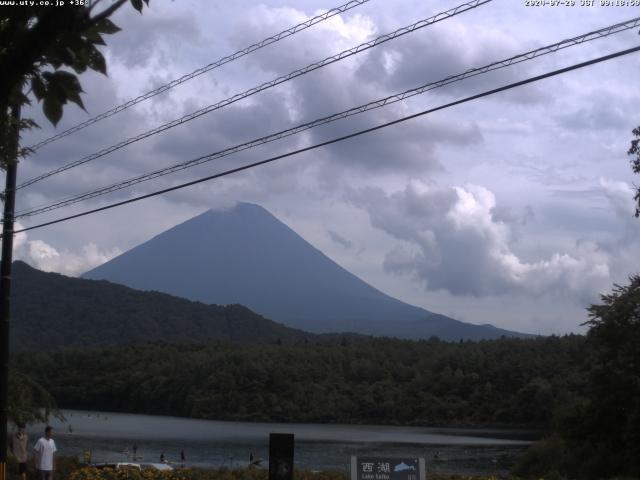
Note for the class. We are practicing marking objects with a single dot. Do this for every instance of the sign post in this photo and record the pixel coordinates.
(387, 468)
(281, 446)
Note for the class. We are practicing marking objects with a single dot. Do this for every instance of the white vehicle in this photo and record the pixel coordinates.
(118, 466)
(156, 466)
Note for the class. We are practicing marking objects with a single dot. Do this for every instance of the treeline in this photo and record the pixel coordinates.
(509, 382)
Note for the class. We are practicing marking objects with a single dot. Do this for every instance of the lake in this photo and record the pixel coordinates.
(206, 443)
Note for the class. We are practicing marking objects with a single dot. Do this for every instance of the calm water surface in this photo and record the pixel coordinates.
(206, 443)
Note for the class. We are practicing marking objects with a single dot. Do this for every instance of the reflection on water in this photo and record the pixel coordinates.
(112, 437)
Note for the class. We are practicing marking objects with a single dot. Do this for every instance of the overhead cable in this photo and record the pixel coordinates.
(207, 68)
(530, 55)
(339, 139)
(252, 91)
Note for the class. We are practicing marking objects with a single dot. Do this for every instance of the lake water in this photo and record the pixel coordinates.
(112, 436)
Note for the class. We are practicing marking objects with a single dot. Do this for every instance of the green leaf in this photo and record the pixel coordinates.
(75, 98)
(56, 90)
(60, 53)
(93, 36)
(52, 109)
(83, 59)
(97, 62)
(71, 86)
(137, 4)
(107, 26)
(38, 87)
(67, 80)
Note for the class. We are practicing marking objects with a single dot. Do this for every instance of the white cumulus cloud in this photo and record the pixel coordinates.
(45, 257)
(451, 240)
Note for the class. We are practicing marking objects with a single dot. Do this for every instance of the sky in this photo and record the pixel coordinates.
(515, 209)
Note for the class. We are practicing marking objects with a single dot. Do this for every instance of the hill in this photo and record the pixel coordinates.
(51, 311)
(247, 256)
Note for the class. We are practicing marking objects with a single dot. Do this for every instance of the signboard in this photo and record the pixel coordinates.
(387, 468)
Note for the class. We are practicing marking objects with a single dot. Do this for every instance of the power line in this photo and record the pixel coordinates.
(342, 138)
(218, 63)
(603, 32)
(252, 91)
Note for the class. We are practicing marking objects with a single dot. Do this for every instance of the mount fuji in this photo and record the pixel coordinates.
(247, 256)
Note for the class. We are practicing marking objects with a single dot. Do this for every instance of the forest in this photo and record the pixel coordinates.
(52, 311)
(512, 382)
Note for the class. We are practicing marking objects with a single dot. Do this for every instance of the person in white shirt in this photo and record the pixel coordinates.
(43, 457)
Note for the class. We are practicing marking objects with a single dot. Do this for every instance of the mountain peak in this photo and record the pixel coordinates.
(245, 255)
(238, 208)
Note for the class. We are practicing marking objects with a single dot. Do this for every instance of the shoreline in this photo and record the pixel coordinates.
(526, 431)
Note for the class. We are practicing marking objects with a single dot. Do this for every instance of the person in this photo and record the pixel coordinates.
(44, 451)
(182, 457)
(19, 449)
(162, 459)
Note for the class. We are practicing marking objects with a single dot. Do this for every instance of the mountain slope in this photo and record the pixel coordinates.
(247, 256)
(51, 311)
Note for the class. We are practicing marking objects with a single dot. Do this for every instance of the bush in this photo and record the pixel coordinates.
(90, 473)
(543, 458)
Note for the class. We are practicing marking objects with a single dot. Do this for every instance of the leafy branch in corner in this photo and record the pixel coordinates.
(43, 49)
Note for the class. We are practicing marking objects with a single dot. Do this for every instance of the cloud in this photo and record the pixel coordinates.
(152, 39)
(624, 248)
(451, 239)
(620, 196)
(600, 110)
(339, 239)
(43, 256)
(505, 214)
(339, 33)
(340, 86)
(448, 49)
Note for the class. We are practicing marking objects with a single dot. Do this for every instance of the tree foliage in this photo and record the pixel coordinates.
(598, 435)
(635, 164)
(501, 382)
(611, 425)
(29, 402)
(43, 49)
(52, 311)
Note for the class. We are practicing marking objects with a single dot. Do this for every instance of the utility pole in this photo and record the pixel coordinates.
(5, 284)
